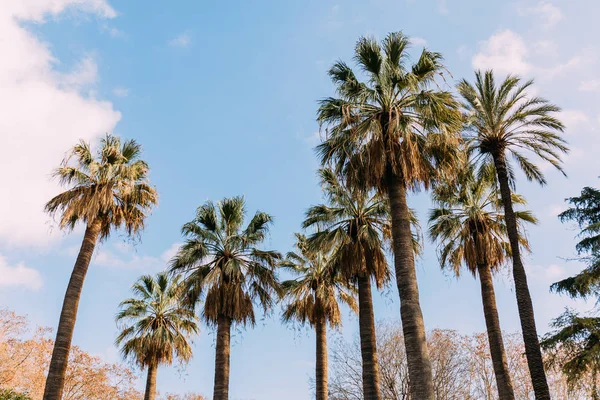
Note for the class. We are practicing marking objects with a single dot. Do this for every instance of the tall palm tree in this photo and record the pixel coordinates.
(156, 326)
(223, 265)
(396, 132)
(354, 224)
(471, 230)
(104, 192)
(503, 120)
(313, 297)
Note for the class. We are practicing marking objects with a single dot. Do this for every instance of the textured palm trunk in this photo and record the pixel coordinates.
(321, 367)
(368, 341)
(68, 315)
(492, 323)
(533, 352)
(150, 393)
(413, 327)
(221, 391)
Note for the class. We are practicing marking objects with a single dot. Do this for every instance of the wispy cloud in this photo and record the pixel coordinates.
(592, 85)
(121, 91)
(124, 256)
(443, 7)
(182, 40)
(545, 12)
(418, 41)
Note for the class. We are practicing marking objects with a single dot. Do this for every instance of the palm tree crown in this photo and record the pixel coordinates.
(394, 123)
(469, 224)
(223, 263)
(315, 292)
(504, 119)
(112, 189)
(356, 225)
(156, 325)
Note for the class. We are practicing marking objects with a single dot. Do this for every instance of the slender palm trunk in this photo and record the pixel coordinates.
(150, 393)
(221, 391)
(524, 303)
(66, 325)
(321, 367)
(492, 323)
(368, 341)
(413, 327)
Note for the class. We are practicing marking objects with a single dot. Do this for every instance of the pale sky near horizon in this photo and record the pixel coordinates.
(223, 96)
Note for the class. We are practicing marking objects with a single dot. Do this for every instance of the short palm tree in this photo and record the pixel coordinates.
(503, 120)
(395, 132)
(355, 224)
(156, 326)
(314, 297)
(471, 230)
(224, 266)
(104, 192)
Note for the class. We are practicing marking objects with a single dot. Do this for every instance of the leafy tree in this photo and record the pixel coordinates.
(104, 192)
(470, 227)
(575, 345)
(502, 120)
(156, 326)
(577, 336)
(224, 266)
(313, 297)
(585, 211)
(354, 224)
(395, 132)
(9, 394)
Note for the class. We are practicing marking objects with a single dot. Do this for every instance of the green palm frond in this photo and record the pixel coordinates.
(222, 264)
(156, 326)
(111, 188)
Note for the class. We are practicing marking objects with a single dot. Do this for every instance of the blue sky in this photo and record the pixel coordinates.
(223, 96)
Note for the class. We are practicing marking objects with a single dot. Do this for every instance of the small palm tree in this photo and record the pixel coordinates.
(156, 326)
(104, 192)
(395, 132)
(313, 297)
(223, 265)
(355, 224)
(471, 230)
(503, 120)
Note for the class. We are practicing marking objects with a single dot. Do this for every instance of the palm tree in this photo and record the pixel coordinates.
(106, 192)
(354, 224)
(313, 297)
(471, 231)
(156, 326)
(223, 265)
(503, 120)
(395, 132)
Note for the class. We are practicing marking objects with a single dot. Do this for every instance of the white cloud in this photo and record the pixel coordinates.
(43, 114)
(592, 85)
(182, 40)
(124, 256)
(507, 53)
(113, 32)
(546, 273)
(121, 91)
(314, 139)
(418, 41)
(546, 13)
(573, 118)
(19, 275)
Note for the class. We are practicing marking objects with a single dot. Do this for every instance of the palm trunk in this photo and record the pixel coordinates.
(524, 303)
(221, 391)
(68, 315)
(413, 327)
(368, 341)
(150, 393)
(492, 323)
(321, 367)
